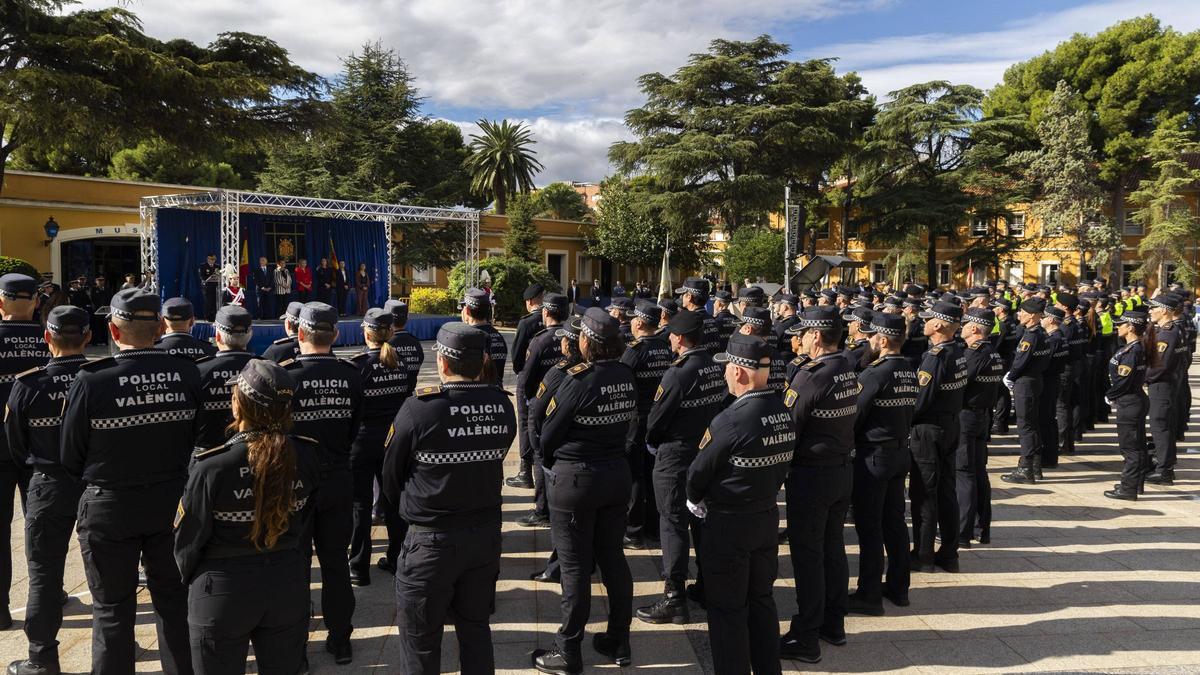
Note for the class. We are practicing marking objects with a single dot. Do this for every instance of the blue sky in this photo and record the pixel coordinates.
(569, 67)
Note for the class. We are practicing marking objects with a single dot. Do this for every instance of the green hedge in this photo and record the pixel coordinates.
(17, 266)
(432, 301)
(510, 278)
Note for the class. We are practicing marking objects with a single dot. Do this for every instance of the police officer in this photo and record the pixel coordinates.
(209, 278)
(232, 332)
(694, 298)
(750, 296)
(649, 356)
(1161, 384)
(787, 307)
(619, 308)
(726, 321)
(1126, 374)
(1007, 349)
(985, 370)
(669, 309)
(540, 358)
(286, 348)
(941, 378)
(328, 407)
(21, 348)
(858, 347)
(1057, 344)
(756, 321)
(822, 400)
(405, 343)
(587, 424)
(32, 419)
(444, 468)
(733, 482)
(477, 311)
(1076, 338)
(127, 433)
(385, 386)
(238, 529)
(1024, 382)
(917, 342)
(882, 424)
(1183, 314)
(178, 339)
(690, 395)
(527, 327)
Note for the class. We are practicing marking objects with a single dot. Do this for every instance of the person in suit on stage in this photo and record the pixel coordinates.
(100, 295)
(304, 280)
(362, 288)
(264, 288)
(341, 285)
(283, 288)
(208, 280)
(324, 279)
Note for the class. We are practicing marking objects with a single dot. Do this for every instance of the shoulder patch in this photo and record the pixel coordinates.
(633, 343)
(680, 360)
(789, 397)
(706, 439)
(31, 371)
(563, 365)
(431, 390)
(936, 350)
(579, 368)
(1162, 347)
(799, 361)
(658, 393)
(812, 365)
(552, 407)
(178, 514)
(977, 345)
(287, 362)
(923, 377)
(877, 361)
(1024, 346)
(98, 364)
(1124, 371)
(212, 452)
(307, 439)
(283, 340)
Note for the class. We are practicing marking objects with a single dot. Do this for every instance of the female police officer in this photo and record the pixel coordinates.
(237, 533)
(588, 484)
(1127, 373)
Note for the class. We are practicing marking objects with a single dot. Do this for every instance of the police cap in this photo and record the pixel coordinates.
(475, 299)
(1033, 306)
(685, 323)
(1134, 317)
(981, 316)
(566, 330)
(861, 314)
(723, 296)
(265, 382)
(620, 302)
(1165, 301)
(399, 310)
(177, 309)
(695, 286)
(1068, 300)
(293, 311)
(67, 320)
(1055, 313)
(789, 299)
(533, 291)
(669, 306)
(555, 302)
(752, 294)
(891, 325)
(821, 318)
(135, 304)
(233, 319)
(378, 319)
(747, 351)
(457, 340)
(646, 310)
(318, 316)
(598, 325)
(943, 311)
(18, 287)
(759, 317)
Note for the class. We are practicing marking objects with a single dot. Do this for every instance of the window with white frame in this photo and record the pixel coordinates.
(1016, 225)
(1127, 270)
(878, 273)
(1132, 227)
(424, 275)
(1052, 230)
(1016, 273)
(944, 274)
(1048, 272)
(1090, 272)
(852, 229)
(979, 227)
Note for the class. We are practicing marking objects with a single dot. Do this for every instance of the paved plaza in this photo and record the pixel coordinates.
(1071, 582)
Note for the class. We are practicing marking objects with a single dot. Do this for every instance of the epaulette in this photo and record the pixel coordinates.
(98, 363)
(543, 330)
(203, 359)
(26, 373)
(799, 361)
(977, 345)
(813, 365)
(634, 342)
(681, 359)
(283, 340)
(877, 361)
(563, 365)
(936, 349)
(212, 452)
(307, 439)
(347, 362)
(431, 390)
(579, 368)
(286, 363)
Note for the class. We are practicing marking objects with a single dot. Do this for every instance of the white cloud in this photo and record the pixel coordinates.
(570, 149)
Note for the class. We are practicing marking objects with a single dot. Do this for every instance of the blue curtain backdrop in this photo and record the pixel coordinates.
(186, 237)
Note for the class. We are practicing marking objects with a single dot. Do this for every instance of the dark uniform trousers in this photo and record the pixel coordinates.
(49, 519)
(1162, 424)
(539, 476)
(1081, 413)
(933, 488)
(365, 472)
(878, 499)
(1131, 439)
(674, 519)
(12, 480)
(742, 562)
(972, 486)
(260, 599)
(588, 502)
(1068, 384)
(1048, 420)
(1026, 393)
(817, 500)
(1001, 411)
(1100, 408)
(643, 509)
(1183, 404)
(447, 576)
(116, 527)
(523, 445)
(332, 523)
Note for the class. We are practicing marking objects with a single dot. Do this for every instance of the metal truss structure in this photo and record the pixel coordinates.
(232, 203)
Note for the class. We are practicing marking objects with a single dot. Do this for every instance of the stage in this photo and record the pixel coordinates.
(350, 332)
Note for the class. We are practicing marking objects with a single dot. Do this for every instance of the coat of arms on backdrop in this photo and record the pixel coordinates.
(286, 249)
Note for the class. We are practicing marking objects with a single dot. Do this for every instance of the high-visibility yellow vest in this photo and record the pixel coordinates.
(1106, 323)
(995, 325)
(1118, 308)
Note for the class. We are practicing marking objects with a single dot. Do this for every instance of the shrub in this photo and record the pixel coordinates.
(510, 278)
(17, 266)
(432, 301)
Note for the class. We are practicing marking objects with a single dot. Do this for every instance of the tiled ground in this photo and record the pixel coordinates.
(1071, 582)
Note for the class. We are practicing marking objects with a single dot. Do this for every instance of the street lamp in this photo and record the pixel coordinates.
(51, 229)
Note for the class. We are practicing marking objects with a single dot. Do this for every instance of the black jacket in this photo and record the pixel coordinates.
(589, 416)
(384, 391)
(543, 351)
(412, 352)
(689, 396)
(649, 358)
(744, 456)
(885, 402)
(1126, 371)
(33, 417)
(823, 401)
(216, 395)
(21, 348)
(941, 379)
(283, 349)
(327, 405)
(527, 327)
(185, 344)
(985, 371)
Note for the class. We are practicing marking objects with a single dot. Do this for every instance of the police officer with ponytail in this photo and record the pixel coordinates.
(238, 530)
(1126, 373)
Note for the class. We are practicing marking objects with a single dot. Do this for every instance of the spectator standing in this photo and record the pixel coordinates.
(324, 280)
(304, 281)
(341, 286)
(264, 288)
(283, 288)
(362, 287)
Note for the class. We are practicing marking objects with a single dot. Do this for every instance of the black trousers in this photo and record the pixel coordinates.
(210, 301)
(1108, 347)
(878, 500)
(1162, 423)
(1026, 395)
(1000, 411)
(365, 471)
(1068, 391)
(266, 302)
(742, 559)
(643, 510)
(1131, 438)
(817, 500)
(674, 519)
(12, 480)
(447, 577)
(539, 475)
(523, 444)
(1183, 403)
(588, 502)
(259, 599)
(332, 524)
(1084, 396)
(1048, 421)
(49, 518)
(116, 528)
(933, 489)
(972, 486)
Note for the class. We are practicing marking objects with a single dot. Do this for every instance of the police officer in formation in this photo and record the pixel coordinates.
(756, 321)
(1161, 385)
(232, 332)
(985, 370)
(1127, 371)
(527, 328)
(1024, 381)
(539, 357)
(179, 318)
(286, 347)
(476, 307)
(726, 321)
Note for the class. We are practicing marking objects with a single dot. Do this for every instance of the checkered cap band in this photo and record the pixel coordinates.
(969, 318)
(225, 328)
(448, 352)
(130, 316)
(314, 325)
(943, 317)
(740, 361)
(819, 324)
(464, 457)
(474, 302)
(258, 397)
(1155, 302)
(889, 332)
(761, 462)
(314, 415)
(694, 290)
(583, 327)
(754, 321)
(642, 314)
(144, 419)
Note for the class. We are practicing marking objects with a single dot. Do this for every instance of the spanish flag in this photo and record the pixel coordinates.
(333, 260)
(244, 263)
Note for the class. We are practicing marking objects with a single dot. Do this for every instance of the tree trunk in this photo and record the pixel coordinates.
(501, 192)
(3, 163)
(931, 261)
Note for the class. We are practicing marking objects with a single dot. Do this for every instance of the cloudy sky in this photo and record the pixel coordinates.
(569, 67)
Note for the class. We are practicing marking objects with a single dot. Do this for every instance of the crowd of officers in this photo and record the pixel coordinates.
(645, 425)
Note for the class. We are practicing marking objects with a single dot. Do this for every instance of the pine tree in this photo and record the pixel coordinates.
(522, 240)
(1162, 209)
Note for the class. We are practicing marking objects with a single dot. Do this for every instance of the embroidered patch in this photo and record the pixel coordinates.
(923, 378)
(706, 439)
(1024, 346)
(552, 407)
(1162, 347)
(1124, 371)
(541, 389)
(178, 514)
(789, 398)
(391, 433)
(658, 394)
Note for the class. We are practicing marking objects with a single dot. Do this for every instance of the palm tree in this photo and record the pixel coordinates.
(501, 162)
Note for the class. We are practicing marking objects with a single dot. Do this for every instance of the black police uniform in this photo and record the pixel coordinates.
(941, 379)
(444, 468)
(127, 432)
(384, 391)
(283, 349)
(711, 332)
(1025, 375)
(1161, 386)
(32, 421)
(727, 325)
(882, 426)
(1186, 350)
(21, 348)
(497, 349)
(206, 272)
(625, 329)
(858, 353)
(1126, 374)
(1085, 383)
(649, 357)
(537, 416)
(239, 593)
(410, 350)
(793, 366)
(916, 343)
(327, 406)
(529, 326)
(216, 395)
(744, 457)
(542, 354)
(985, 370)
(783, 341)
(587, 424)
(1075, 338)
(185, 344)
(822, 399)
(1059, 351)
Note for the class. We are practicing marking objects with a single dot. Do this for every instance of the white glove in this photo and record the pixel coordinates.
(652, 450)
(698, 510)
(1007, 382)
(1108, 400)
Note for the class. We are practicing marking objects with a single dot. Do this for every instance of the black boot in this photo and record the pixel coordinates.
(28, 667)
(523, 479)
(341, 650)
(985, 535)
(805, 649)
(616, 649)
(1037, 467)
(1118, 493)
(858, 603)
(672, 608)
(695, 593)
(556, 663)
(1023, 474)
(1162, 478)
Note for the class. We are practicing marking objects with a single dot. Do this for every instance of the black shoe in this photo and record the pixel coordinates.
(948, 565)
(341, 650)
(633, 543)
(1022, 475)
(360, 579)
(897, 599)
(1141, 489)
(857, 604)
(835, 639)
(804, 650)
(5, 619)
(695, 593)
(672, 608)
(1036, 470)
(616, 650)
(1163, 478)
(28, 667)
(915, 564)
(985, 535)
(386, 565)
(1121, 494)
(964, 541)
(555, 662)
(534, 519)
(544, 578)
(521, 480)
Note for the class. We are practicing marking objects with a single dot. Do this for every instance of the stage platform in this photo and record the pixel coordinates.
(350, 333)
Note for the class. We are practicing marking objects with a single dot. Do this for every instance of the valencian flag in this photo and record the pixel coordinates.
(244, 263)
